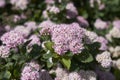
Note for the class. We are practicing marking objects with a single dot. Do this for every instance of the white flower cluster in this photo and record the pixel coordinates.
(71, 10)
(19, 4)
(115, 51)
(4, 51)
(90, 36)
(104, 59)
(31, 25)
(99, 24)
(23, 30)
(62, 74)
(88, 75)
(116, 64)
(53, 9)
(101, 5)
(114, 32)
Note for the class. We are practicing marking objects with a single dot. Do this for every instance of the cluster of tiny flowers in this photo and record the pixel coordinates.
(68, 37)
(93, 1)
(49, 1)
(2, 3)
(17, 18)
(31, 72)
(19, 4)
(99, 24)
(74, 76)
(101, 5)
(61, 74)
(114, 32)
(52, 1)
(44, 75)
(116, 64)
(103, 42)
(115, 51)
(4, 51)
(24, 31)
(12, 39)
(116, 24)
(31, 25)
(105, 59)
(71, 10)
(34, 40)
(45, 14)
(88, 75)
(81, 20)
(90, 36)
(46, 26)
(53, 9)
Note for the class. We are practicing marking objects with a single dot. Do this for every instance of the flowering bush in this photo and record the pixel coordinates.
(59, 40)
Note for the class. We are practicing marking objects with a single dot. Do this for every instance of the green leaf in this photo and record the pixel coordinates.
(84, 57)
(49, 45)
(47, 56)
(16, 73)
(49, 64)
(117, 74)
(8, 65)
(16, 57)
(7, 75)
(88, 59)
(66, 62)
(55, 55)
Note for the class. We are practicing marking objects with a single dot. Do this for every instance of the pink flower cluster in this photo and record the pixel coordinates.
(81, 20)
(71, 10)
(101, 25)
(34, 40)
(116, 24)
(65, 37)
(68, 37)
(2, 3)
(12, 39)
(31, 72)
(103, 43)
